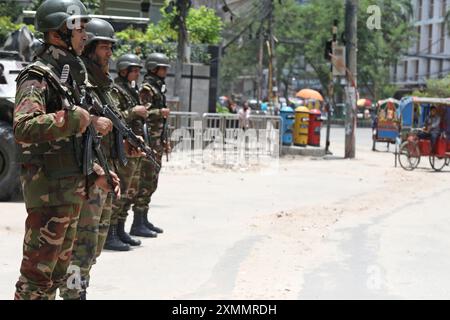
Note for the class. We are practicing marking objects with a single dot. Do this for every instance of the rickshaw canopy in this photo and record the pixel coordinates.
(390, 100)
(413, 117)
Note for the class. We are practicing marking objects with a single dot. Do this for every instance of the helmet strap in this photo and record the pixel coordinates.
(67, 38)
(121, 72)
(155, 70)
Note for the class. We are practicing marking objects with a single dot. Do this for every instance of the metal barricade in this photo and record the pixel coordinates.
(271, 127)
(181, 127)
(226, 126)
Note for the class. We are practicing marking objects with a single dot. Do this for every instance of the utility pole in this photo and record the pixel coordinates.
(183, 7)
(351, 10)
(334, 32)
(272, 58)
(260, 62)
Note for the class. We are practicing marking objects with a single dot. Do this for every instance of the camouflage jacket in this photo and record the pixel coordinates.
(152, 94)
(103, 91)
(128, 99)
(48, 135)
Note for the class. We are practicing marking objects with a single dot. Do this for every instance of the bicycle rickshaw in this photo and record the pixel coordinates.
(414, 112)
(387, 123)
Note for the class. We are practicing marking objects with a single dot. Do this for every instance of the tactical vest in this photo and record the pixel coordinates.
(122, 87)
(156, 87)
(59, 158)
(155, 123)
(109, 142)
(130, 101)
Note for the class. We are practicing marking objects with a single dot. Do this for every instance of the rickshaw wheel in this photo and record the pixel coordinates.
(438, 163)
(409, 155)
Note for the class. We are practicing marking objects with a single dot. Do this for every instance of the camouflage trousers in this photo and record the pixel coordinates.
(92, 231)
(129, 180)
(50, 232)
(147, 183)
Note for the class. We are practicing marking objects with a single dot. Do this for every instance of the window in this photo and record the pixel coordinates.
(419, 9)
(405, 71)
(431, 10)
(428, 68)
(395, 73)
(443, 8)
(441, 68)
(416, 69)
(442, 38)
(419, 38)
(430, 38)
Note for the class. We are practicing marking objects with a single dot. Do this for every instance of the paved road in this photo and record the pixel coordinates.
(316, 229)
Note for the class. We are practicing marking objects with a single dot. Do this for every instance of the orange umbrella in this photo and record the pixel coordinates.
(309, 94)
(364, 103)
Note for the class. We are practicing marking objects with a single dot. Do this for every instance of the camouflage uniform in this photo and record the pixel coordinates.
(51, 174)
(153, 95)
(129, 98)
(96, 212)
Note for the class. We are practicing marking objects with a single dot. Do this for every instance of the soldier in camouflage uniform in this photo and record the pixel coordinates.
(96, 212)
(152, 94)
(48, 127)
(128, 67)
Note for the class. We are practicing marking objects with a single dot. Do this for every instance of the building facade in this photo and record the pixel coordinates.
(132, 8)
(429, 56)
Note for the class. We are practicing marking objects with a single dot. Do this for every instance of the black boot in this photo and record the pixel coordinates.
(84, 286)
(113, 242)
(125, 237)
(138, 229)
(151, 226)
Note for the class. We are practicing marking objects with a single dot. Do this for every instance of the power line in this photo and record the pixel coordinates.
(255, 14)
(264, 11)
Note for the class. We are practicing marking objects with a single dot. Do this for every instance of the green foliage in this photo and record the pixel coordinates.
(307, 27)
(377, 49)
(10, 8)
(7, 26)
(203, 25)
(222, 109)
(436, 88)
(380, 49)
(204, 28)
(237, 61)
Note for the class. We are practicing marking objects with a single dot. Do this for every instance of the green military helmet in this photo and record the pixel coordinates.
(52, 14)
(100, 30)
(155, 60)
(128, 60)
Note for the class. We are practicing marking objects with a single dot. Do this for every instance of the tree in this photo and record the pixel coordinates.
(7, 26)
(381, 49)
(204, 28)
(11, 9)
(203, 25)
(239, 59)
(378, 49)
(437, 88)
(303, 29)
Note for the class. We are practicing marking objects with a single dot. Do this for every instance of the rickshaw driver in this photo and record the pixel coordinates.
(432, 128)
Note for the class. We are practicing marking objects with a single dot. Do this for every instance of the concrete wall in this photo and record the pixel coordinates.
(195, 87)
(195, 93)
